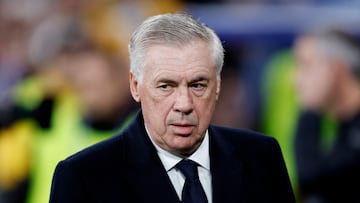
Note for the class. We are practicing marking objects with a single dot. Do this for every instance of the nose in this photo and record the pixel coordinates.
(183, 101)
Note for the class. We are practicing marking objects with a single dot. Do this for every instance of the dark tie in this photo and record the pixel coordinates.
(192, 191)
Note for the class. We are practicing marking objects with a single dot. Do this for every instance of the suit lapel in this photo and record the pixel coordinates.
(146, 173)
(226, 170)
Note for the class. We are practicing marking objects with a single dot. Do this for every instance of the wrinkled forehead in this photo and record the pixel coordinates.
(185, 59)
(185, 54)
(193, 50)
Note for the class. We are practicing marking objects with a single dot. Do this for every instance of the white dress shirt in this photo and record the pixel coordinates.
(200, 156)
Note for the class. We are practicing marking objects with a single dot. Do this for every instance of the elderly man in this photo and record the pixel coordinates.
(171, 153)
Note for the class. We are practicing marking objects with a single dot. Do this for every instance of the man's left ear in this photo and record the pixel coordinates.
(218, 89)
(134, 87)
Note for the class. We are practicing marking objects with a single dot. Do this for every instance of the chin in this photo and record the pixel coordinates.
(185, 150)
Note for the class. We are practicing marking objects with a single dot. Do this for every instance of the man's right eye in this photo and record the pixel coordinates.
(164, 87)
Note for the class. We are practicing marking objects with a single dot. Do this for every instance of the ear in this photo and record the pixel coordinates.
(134, 87)
(218, 87)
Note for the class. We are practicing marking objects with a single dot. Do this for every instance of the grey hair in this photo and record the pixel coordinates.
(173, 29)
(339, 44)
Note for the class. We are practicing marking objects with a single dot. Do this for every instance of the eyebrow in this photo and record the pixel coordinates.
(197, 79)
(165, 80)
(200, 78)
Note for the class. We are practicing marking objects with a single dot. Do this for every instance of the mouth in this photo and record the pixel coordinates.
(182, 129)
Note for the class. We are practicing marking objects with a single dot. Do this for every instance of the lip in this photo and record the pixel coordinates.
(182, 129)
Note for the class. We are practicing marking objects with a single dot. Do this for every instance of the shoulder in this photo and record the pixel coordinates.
(101, 164)
(240, 135)
(243, 140)
(97, 162)
(112, 154)
(110, 150)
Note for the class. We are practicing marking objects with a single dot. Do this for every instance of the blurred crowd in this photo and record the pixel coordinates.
(64, 86)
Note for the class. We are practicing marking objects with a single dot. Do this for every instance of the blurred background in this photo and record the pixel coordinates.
(64, 74)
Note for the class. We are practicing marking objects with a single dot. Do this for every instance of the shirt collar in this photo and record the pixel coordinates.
(200, 156)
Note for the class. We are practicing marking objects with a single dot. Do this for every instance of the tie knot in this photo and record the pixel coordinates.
(189, 169)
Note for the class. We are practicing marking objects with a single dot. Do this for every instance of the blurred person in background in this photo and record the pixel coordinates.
(328, 85)
(91, 104)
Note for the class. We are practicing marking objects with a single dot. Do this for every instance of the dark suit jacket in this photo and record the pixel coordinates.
(245, 167)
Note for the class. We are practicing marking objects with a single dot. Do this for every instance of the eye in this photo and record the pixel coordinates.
(164, 87)
(198, 86)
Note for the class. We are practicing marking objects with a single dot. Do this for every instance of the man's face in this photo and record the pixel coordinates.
(316, 78)
(177, 95)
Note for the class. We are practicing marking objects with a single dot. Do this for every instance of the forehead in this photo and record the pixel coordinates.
(194, 56)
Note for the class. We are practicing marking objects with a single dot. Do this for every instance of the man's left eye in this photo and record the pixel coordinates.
(198, 86)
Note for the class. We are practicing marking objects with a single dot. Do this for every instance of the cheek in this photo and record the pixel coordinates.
(157, 107)
(204, 110)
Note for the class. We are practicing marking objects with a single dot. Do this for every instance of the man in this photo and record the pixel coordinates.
(328, 83)
(175, 75)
